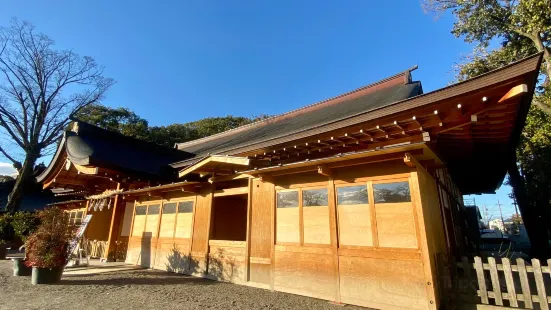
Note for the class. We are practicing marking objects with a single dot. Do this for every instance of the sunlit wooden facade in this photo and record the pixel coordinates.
(359, 207)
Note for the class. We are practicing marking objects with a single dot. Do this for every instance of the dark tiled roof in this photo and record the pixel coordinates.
(312, 116)
(91, 145)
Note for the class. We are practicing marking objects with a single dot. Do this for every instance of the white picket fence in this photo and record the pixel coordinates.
(526, 284)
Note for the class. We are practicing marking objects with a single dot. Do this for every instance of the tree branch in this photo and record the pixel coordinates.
(16, 164)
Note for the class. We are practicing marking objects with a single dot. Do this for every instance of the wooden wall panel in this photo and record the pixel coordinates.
(287, 225)
(260, 273)
(395, 225)
(432, 229)
(355, 225)
(139, 226)
(172, 255)
(133, 251)
(127, 219)
(262, 201)
(151, 225)
(382, 283)
(183, 225)
(98, 228)
(227, 261)
(142, 252)
(308, 274)
(167, 225)
(201, 226)
(316, 225)
(260, 235)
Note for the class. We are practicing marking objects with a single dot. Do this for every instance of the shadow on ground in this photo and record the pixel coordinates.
(133, 277)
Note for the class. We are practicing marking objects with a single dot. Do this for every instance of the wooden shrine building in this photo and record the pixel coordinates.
(355, 199)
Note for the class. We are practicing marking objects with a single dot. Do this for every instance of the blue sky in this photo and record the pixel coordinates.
(179, 61)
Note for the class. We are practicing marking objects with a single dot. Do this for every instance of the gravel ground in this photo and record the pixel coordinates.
(144, 289)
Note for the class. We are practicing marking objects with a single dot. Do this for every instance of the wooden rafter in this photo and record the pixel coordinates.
(216, 160)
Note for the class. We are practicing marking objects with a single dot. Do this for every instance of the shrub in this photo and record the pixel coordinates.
(24, 224)
(5, 227)
(48, 246)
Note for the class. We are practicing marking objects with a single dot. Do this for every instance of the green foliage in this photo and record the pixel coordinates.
(24, 223)
(5, 227)
(482, 21)
(48, 246)
(126, 122)
(120, 120)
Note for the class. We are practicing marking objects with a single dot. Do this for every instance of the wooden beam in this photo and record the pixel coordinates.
(230, 160)
(513, 92)
(86, 170)
(231, 191)
(409, 161)
(324, 170)
(229, 177)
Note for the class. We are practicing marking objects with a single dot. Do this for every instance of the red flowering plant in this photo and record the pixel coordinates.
(48, 246)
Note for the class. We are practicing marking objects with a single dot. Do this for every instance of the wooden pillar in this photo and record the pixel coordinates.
(248, 235)
(332, 205)
(116, 216)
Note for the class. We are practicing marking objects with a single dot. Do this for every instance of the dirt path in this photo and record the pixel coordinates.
(144, 289)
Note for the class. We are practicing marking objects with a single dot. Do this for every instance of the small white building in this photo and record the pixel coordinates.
(496, 224)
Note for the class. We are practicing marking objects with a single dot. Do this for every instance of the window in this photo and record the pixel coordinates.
(141, 210)
(391, 192)
(354, 216)
(78, 217)
(169, 208)
(287, 199)
(352, 195)
(72, 217)
(152, 221)
(184, 219)
(287, 217)
(168, 219)
(395, 219)
(315, 216)
(314, 197)
(139, 221)
(185, 207)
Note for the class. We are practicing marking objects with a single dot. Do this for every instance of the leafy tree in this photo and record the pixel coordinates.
(126, 122)
(24, 224)
(40, 87)
(522, 28)
(120, 120)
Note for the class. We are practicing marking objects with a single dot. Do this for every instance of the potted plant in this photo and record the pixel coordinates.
(23, 223)
(47, 248)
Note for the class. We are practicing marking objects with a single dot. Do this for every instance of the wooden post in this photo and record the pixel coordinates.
(540, 284)
(481, 280)
(332, 205)
(110, 251)
(495, 281)
(524, 284)
(511, 292)
(248, 235)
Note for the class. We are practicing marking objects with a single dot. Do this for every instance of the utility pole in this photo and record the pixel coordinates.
(486, 216)
(501, 214)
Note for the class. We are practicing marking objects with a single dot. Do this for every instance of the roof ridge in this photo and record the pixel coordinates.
(407, 79)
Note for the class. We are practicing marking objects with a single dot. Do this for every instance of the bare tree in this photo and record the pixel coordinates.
(40, 87)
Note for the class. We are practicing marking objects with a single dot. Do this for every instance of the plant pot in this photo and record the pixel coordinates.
(19, 267)
(3, 252)
(46, 275)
